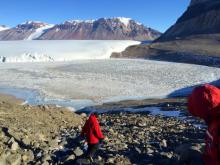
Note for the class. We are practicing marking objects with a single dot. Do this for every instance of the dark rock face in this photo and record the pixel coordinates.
(193, 39)
(194, 2)
(101, 29)
(201, 17)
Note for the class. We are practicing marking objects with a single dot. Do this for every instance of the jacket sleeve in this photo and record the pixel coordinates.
(97, 131)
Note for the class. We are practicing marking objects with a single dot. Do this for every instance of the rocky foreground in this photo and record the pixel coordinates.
(50, 135)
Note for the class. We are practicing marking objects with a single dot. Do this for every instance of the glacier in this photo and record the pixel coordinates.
(81, 83)
(45, 51)
(38, 32)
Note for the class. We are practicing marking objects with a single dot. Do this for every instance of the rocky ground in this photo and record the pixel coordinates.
(32, 134)
(50, 135)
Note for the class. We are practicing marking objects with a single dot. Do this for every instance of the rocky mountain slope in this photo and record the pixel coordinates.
(25, 31)
(101, 29)
(202, 17)
(193, 39)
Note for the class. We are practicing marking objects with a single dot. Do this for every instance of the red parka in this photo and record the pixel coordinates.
(92, 130)
(204, 102)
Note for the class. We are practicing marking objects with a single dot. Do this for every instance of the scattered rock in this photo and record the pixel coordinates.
(71, 157)
(28, 156)
(110, 160)
(164, 143)
(14, 145)
(26, 141)
(78, 152)
(189, 153)
(13, 159)
(83, 115)
(150, 151)
(138, 150)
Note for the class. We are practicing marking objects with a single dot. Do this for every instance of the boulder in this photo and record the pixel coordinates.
(28, 156)
(190, 153)
(78, 151)
(13, 159)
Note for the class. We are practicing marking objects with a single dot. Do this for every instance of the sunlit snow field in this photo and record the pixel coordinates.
(80, 83)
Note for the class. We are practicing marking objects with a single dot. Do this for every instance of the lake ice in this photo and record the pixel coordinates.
(105, 80)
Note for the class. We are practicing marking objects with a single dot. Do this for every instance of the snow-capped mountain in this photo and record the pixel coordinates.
(3, 27)
(119, 28)
(26, 31)
(101, 29)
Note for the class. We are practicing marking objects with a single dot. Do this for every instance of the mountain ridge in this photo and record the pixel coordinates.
(119, 28)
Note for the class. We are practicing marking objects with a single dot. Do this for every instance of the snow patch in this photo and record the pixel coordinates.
(32, 22)
(155, 111)
(38, 32)
(3, 28)
(27, 57)
(124, 20)
(80, 21)
(57, 30)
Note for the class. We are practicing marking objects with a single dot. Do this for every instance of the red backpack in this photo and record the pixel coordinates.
(204, 102)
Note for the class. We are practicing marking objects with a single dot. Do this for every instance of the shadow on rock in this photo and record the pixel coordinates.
(184, 92)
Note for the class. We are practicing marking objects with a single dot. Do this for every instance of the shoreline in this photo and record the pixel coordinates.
(166, 107)
(125, 103)
(11, 98)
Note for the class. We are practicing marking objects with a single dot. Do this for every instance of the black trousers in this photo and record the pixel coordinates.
(92, 148)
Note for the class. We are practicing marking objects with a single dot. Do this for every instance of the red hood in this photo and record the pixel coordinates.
(204, 102)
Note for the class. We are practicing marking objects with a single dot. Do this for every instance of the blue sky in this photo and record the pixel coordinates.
(158, 14)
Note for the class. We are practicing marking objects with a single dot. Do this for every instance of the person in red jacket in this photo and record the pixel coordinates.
(92, 131)
(204, 102)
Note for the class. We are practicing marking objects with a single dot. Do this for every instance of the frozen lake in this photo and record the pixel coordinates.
(86, 82)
